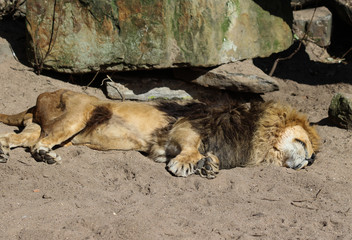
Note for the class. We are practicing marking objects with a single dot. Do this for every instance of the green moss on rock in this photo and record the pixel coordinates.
(126, 35)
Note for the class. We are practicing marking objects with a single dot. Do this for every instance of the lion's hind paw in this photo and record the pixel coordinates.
(4, 154)
(43, 154)
(208, 167)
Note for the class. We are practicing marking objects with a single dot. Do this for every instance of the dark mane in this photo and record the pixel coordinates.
(228, 134)
(226, 130)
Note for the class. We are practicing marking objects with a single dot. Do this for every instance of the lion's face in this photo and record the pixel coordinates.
(296, 148)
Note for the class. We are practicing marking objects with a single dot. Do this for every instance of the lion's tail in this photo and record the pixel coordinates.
(17, 119)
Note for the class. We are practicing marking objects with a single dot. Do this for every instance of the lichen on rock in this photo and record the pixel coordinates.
(340, 110)
(84, 35)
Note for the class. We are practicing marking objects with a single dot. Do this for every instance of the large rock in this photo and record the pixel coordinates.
(318, 28)
(340, 110)
(104, 35)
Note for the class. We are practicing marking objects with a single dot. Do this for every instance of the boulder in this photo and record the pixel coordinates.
(80, 36)
(340, 110)
(319, 30)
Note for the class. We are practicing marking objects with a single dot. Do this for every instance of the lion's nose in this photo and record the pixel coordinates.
(311, 159)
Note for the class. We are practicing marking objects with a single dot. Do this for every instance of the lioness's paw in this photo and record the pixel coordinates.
(4, 154)
(44, 154)
(208, 167)
(180, 169)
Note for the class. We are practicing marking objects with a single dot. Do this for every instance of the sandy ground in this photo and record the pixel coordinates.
(124, 195)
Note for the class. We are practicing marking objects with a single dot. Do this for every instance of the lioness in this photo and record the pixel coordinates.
(190, 138)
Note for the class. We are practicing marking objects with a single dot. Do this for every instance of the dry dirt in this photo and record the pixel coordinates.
(124, 195)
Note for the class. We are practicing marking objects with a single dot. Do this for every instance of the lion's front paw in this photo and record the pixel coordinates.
(208, 166)
(180, 169)
(44, 154)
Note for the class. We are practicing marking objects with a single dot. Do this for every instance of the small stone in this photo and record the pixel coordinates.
(46, 196)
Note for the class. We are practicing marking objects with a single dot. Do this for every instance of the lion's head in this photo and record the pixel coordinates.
(284, 137)
(296, 148)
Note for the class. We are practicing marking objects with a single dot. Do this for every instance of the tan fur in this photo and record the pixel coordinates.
(188, 142)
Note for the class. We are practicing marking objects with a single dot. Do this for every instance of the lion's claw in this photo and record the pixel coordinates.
(180, 169)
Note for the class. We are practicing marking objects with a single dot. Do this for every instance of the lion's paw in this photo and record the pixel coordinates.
(4, 154)
(180, 169)
(207, 167)
(44, 154)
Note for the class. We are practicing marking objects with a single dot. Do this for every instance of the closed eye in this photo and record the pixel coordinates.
(301, 142)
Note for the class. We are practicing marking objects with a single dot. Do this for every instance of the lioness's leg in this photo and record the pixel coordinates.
(61, 114)
(189, 160)
(27, 138)
(114, 135)
(56, 133)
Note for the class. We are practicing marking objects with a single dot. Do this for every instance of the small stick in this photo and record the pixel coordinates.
(344, 55)
(316, 195)
(96, 74)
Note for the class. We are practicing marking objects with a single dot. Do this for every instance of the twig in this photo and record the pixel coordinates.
(299, 201)
(297, 49)
(117, 89)
(96, 74)
(108, 78)
(41, 59)
(271, 200)
(285, 58)
(258, 235)
(344, 55)
(51, 44)
(24, 163)
(307, 207)
(316, 195)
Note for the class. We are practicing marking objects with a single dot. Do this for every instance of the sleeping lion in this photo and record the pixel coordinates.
(190, 138)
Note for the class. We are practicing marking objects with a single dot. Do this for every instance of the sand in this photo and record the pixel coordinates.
(124, 195)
